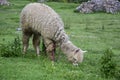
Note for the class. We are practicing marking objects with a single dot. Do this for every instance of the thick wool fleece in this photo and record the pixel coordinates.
(38, 18)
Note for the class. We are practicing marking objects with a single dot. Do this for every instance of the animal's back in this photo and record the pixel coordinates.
(41, 18)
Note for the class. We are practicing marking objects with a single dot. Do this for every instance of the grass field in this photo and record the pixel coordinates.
(92, 32)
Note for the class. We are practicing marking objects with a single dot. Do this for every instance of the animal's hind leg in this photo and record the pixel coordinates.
(25, 40)
(36, 43)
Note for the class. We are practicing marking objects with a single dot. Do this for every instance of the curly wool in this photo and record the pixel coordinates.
(43, 19)
(40, 18)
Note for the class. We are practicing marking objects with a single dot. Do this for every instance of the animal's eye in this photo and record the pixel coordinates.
(74, 59)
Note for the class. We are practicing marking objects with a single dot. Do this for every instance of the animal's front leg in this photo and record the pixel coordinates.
(50, 48)
(53, 55)
(51, 51)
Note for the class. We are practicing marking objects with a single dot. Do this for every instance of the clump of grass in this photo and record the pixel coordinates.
(5, 7)
(12, 49)
(71, 75)
(67, 24)
(108, 64)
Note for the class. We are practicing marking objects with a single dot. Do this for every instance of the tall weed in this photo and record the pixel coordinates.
(11, 49)
(108, 64)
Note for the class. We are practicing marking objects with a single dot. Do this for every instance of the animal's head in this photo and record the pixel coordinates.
(76, 56)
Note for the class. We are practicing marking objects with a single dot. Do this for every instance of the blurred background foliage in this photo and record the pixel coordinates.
(66, 1)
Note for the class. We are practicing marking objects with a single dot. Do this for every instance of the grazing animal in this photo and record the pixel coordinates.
(40, 20)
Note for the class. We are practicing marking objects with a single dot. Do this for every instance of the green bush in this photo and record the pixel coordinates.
(12, 49)
(108, 64)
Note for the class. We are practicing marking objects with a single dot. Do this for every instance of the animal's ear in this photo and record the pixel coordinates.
(84, 51)
(77, 50)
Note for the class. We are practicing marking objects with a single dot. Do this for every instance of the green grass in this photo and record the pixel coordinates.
(92, 32)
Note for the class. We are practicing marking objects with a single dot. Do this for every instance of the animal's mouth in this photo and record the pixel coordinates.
(75, 63)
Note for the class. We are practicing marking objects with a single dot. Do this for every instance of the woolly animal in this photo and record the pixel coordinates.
(40, 20)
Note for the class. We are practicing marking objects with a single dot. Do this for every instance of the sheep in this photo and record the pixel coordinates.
(40, 20)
